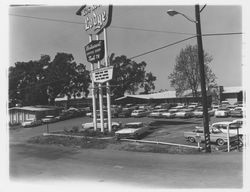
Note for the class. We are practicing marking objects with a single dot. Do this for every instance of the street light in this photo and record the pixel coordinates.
(202, 71)
(172, 12)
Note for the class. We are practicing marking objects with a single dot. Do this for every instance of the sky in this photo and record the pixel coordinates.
(133, 30)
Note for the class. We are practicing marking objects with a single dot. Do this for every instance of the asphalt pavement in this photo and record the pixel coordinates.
(35, 163)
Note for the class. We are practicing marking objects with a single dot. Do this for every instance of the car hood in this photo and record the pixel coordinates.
(198, 112)
(168, 113)
(26, 123)
(126, 130)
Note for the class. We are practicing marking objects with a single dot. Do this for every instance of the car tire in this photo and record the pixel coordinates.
(136, 136)
(220, 142)
(114, 127)
(117, 137)
(191, 139)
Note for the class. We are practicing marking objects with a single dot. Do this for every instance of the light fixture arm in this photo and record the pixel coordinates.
(173, 12)
(188, 18)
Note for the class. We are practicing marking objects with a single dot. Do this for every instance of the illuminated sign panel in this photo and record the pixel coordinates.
(96, 17)
(103, 74)
(95, 51)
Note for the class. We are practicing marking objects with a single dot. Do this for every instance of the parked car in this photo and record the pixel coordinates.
(239, 121)
(163, 106)
(157, 113)
(216, 136)
(222, 112)
(184, 113)
(90, 125)
(89, 114)
(49, 119)
(169, 114)
(231, 126)
(126, 112)
(31, 123)
(225, 103)
(139, 113)
(237, 112)
(199, 112)
(193, 105)
(132, 130)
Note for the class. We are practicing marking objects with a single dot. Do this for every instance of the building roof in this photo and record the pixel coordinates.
(160, 95)
(232, 89)
(34, 108)
(65, 98)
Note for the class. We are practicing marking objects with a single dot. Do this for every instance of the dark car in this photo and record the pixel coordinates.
(237, 112)
(125, 113)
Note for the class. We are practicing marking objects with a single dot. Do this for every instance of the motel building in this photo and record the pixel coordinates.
(18, 115)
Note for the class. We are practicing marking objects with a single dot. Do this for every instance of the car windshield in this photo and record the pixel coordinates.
(234, 126)
(216, 131)
(29, 120)
(133, 126)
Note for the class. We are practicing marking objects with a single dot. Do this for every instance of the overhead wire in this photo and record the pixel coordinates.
(163, 47)
(112, 26)
(128, 28)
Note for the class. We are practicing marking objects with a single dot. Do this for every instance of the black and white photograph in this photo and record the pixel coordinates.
(118, 97)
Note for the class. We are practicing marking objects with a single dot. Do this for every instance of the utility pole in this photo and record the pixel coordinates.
(107, 83)
(203, 80)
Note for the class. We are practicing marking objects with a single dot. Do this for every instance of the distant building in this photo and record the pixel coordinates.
(20, 114)
(221, 93)
(231, 94)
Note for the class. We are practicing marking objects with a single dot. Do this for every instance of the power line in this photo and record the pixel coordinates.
(209, 34)
(150, 30)
(203, 8)
(218, 34)
(163, 47)
(46, 19)
(121, 27)
(112, 26)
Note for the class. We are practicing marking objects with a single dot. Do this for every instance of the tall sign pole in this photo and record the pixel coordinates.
(203, 80)
(96, 19)
(93, 93)
(100, 95)
(107, 83)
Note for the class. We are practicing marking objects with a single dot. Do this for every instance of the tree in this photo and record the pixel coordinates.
(26, 83)
(129, 76)
(149, 83)
(186, 74)
(37, 82)
(66, 77)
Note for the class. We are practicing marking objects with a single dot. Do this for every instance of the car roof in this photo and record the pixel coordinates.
(223, 123)
(134, 123)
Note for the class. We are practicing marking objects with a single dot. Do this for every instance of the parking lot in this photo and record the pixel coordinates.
(28, 161)
(164, 130)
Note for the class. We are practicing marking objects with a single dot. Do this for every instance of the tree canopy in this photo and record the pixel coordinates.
(129, 76)
(186, 73)
(40, 82)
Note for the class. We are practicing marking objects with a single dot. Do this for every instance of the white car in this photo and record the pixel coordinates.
(222, 112)
(199, 112)
(157, 113)
(139, 113)
(184, 113)
(90, 125)
(239, 121)
(49, 119)
(132, 130)
(232, 126)
(169, 114)
(31, 122)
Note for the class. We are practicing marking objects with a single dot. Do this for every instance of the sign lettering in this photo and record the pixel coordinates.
(95, 51)
(103, 74)
(96, 18)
